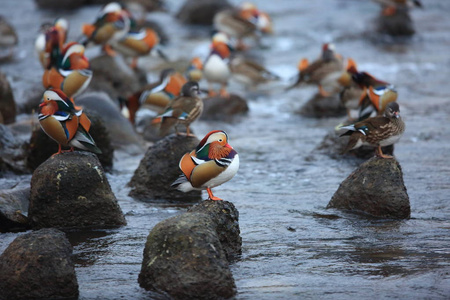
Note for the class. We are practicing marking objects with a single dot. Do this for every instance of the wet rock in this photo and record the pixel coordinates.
(399, 24)
(375, 188)
(226, 220)
(38, 265)
(114, 77)
(201, 12)
(159, 169)
(71, 190)
(41, 146)
(121, 132)
(333, 145)
(323, 107)
(7, 104)
(59, 4)
(12, 153)
(223, 109)
(14, 209)
(185, 256)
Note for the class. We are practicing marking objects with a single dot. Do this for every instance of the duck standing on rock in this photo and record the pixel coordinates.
(379, 131)
(211, 164)
(184, 109)
(65, 123)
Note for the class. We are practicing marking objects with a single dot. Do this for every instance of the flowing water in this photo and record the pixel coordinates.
(292, 246)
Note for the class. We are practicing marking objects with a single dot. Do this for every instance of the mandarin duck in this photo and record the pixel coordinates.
(112, 24)
(194, 71)
(211, 164)
(324, 71)
(379, 131)
(8, 39)
(352, 93)
(389, 7)
(156, 96)
(64, 122)
(249, 72)
(215, 67)
(45, 37)
(184, 109)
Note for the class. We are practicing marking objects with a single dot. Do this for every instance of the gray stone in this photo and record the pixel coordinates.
(224, 109)
(375, 188)
(7, 103)
(14, 209)
(38, 265)
(71, 190)
(323, 107)
(12, 153)
(201, 12)
(159, 169)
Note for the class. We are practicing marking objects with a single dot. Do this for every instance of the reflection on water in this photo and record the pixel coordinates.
(292, 246)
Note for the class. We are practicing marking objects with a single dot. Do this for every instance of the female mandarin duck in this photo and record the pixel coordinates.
(112, 24)
(249, 72)
(215, 67)
(65, 123)
(156, 96)
(184, 109)
(194, 71)
(66, 67)
(379, 131)
(212, 163)
(324, 71)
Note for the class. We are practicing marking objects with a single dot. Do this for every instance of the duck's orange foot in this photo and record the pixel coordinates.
(323, 93)
(224, 93)
(211, 196)
(109, 50)
(211, 93)
(215, 198)
(379, 153)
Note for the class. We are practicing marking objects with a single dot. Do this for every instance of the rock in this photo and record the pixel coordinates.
(323, 107)
(71, 190)
(226, 219)
(14, 209)
(223, 109)
(184, 256)
(201, 12)
(30, 98)
(122, 134)
(38, 265)
(399, 24)
(376, 188)
(12, 153)
(159, 169)
(59, 4)
(333, 145)
(41, 146)
(7, 103)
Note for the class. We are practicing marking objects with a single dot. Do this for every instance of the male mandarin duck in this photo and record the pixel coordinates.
(390, 7)
(249, 72)
(379, 131)
(112, 24)
(352, 93)
(156, 96)
(194, 71)
(65, 123)
(184, 109)
(52, 35)
(324, 71)
(211, 164)
(215, 67)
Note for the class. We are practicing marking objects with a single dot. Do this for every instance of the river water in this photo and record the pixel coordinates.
(292, 246)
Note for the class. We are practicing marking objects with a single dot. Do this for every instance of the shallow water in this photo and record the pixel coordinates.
(292, 246)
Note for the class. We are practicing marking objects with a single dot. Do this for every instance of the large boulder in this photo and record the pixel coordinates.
(184, 256)
(201, 12)
(323, 107)
(159, 169)
(14, 209)
(12, 153)
(71, 190)
(7, 103)
(41, 146)
(224, 109)
(121, 132)
(375, 188)
(38, 265)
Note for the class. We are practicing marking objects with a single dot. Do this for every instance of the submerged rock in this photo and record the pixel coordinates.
(7, 103)
(12, 153)
(41, 146)
(159, 169)
(375, 188)
(185, 256)
(333, 145)
(323, 107)
(201, 12)
(14, 209)
(223, 109)
(38, 265)
(71, 190)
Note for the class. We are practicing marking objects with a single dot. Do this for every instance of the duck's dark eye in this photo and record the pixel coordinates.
(220, 140)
